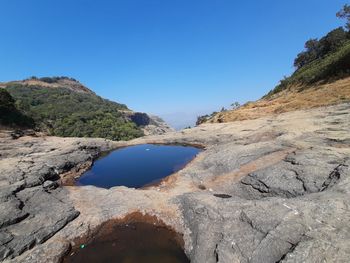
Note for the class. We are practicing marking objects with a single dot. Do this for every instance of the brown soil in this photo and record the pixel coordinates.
(294, 98)
(69, 178)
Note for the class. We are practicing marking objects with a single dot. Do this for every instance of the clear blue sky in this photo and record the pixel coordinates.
(164, 57)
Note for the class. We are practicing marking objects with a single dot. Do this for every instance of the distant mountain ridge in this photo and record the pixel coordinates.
(62, 106)
(52, 82)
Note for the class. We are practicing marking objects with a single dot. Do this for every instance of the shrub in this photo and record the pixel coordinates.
(9, 114)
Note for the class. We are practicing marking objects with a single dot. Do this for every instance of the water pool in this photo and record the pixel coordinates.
(137, 166)
(135, 242)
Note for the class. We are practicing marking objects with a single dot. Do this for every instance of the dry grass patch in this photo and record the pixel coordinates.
(294, 98)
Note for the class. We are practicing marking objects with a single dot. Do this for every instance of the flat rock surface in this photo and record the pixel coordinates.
(274, 189)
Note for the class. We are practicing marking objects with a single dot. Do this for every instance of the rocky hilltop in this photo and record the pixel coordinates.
(151, 124)
(272, 189)
(52, 82)
(64, 107)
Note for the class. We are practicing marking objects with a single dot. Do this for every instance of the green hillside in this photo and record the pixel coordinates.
(333, 66)
(321, 78)
(64, 112)
(10, 115)
(323, 60)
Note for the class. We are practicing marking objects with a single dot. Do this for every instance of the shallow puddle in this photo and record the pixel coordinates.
(137, 166)
(136, 242)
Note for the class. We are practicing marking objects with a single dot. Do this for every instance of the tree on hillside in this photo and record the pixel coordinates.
(332, 41)
(345, 13)
(6, 100)
(9, 114)
(322, 59)
(235, 105)
(311, 53)
(315, 49)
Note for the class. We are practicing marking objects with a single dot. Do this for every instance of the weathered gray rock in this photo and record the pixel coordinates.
(275, 189)
(50, 185)
(31, 208)
(300, 173)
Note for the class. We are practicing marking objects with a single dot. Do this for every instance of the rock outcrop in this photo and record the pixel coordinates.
(273, 189)
(150, 124)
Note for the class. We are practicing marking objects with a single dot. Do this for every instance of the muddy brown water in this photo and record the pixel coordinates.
(135, 242)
